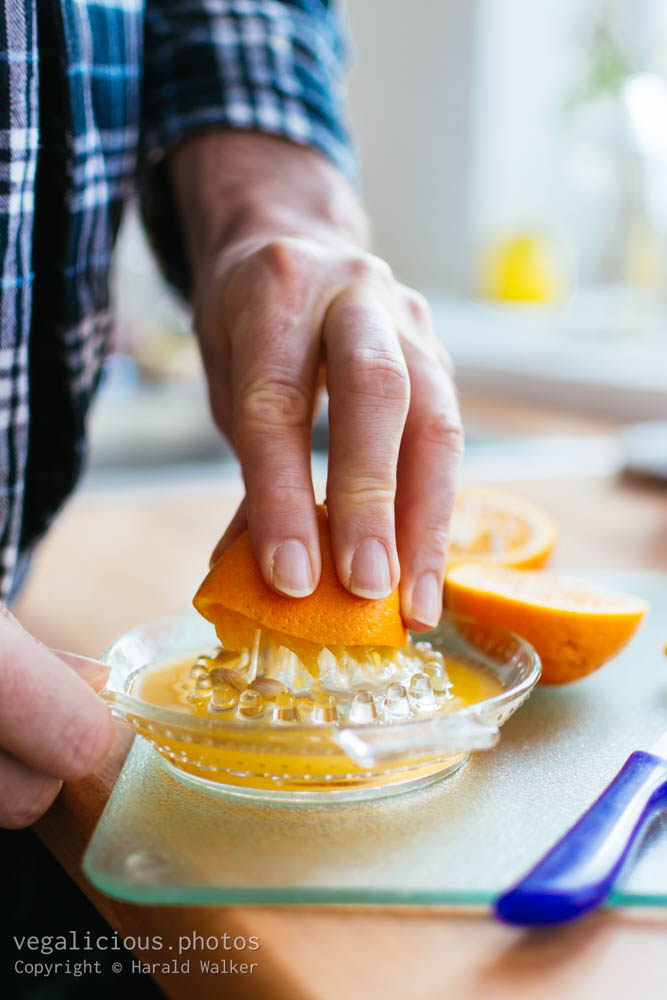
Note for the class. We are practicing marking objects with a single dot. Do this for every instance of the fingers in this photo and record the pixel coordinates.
(428, 466)
(24, 794)
(393, 420)
(369, 394)
(50, 720)
(276, 354)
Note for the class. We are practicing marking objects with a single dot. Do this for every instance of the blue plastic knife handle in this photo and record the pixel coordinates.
(579, 872)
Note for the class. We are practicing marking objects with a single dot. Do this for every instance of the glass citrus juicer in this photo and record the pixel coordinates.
(320, 698)
(280, 733)
(260, 725)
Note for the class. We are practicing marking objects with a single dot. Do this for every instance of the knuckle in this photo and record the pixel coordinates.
(368, 267)
(284, 257)
(272, 402)
(363, 492)
(444, 430)
(418, 307)
(378, 374)
(30, 804)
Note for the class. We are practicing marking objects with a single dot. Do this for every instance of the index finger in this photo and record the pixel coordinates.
(49, 717)
(275, 363)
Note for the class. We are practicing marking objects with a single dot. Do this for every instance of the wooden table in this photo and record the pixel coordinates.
(115, 559)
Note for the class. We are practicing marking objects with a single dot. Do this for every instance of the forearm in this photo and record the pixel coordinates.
(237, 191)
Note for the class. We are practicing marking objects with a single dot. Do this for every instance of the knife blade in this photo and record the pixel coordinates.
(579, 872)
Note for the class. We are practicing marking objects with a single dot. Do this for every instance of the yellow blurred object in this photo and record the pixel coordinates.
(522, 268)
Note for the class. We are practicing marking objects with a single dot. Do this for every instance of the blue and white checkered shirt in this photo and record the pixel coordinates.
(93, 94)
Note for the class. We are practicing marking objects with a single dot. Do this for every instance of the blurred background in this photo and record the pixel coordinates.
(513, 156)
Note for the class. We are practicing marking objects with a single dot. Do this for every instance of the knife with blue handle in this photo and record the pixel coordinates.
(579, 873)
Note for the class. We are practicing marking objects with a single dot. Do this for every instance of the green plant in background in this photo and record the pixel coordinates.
(608, 62)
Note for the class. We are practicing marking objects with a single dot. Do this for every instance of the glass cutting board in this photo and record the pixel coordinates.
(460, 841)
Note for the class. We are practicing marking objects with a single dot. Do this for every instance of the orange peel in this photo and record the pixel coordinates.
(237, 600)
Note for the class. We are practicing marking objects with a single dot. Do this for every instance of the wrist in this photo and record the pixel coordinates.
(238, 191)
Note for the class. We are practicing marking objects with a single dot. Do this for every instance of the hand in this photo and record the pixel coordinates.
(395, 435)
(52, 726)
(283, 307)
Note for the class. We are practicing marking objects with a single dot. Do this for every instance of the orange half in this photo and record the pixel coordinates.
(494, 526)
(235, 598)
(574, 626)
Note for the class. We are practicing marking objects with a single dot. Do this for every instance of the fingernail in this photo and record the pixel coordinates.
(426, 606)
(370, 576)
(292, 572)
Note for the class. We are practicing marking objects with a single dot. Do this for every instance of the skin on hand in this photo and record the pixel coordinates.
(52, 726)
(287, 298)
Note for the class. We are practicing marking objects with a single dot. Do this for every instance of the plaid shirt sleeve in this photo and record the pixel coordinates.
(19, 137)
(275, 66)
